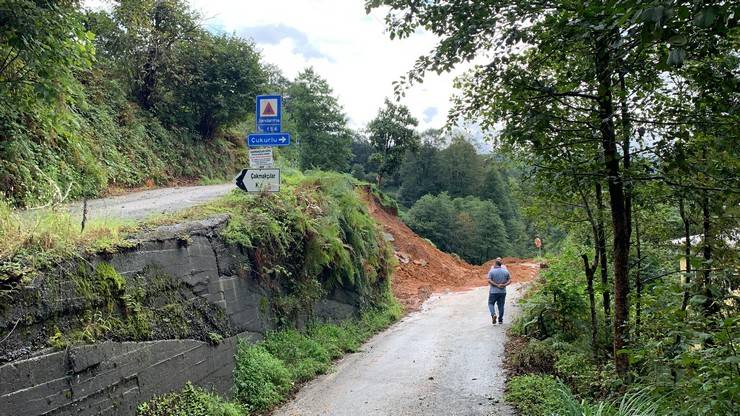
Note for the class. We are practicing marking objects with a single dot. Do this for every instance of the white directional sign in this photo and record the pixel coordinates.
(261, 158)
(260, 180)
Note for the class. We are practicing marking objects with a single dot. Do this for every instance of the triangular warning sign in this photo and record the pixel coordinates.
(268, 111)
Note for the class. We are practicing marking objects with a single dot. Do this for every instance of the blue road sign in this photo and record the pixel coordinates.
(269, 113)
(275, 128)
(268, 139)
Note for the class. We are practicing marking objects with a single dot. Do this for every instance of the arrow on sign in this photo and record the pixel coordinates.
(240, 180)
(268, 139)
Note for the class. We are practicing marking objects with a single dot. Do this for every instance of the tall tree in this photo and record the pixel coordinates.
(43, 45)
(461, 168)
(420, 173)
(152, 31)
(320, 123)
(391, 134)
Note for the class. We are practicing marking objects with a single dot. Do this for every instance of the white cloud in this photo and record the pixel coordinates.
(344, 44)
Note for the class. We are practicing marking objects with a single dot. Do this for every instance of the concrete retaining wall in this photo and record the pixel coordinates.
(216, 282)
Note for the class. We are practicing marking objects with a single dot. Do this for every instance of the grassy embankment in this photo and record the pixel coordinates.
(102, 140)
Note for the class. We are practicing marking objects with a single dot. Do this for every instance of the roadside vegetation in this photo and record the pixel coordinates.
(141, 95)
(268, 372)
(684, 361)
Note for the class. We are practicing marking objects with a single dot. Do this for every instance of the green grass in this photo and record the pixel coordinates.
(191, 401)
(536, 395)
(266, 372)
(31, 241)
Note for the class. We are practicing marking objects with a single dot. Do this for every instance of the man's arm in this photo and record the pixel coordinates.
(508, 280)
(493, 282)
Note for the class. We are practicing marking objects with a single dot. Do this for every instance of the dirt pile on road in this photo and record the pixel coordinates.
(423, 269)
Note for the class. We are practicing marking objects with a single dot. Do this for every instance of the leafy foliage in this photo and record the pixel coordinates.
(191, 401)
(677, 362)
(266, 372)
(535, 395)
(215, 84)
(260, 379)
(319, 122)
(391, 135)
(466, 226)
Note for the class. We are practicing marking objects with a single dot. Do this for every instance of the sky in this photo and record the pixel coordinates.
(346, 46)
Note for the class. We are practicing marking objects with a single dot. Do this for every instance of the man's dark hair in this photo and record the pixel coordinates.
(498, 263)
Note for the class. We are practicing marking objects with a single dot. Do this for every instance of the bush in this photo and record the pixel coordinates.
(557, 307)
(266, 372)
(577, 370)
(534, 357)
(191, 401)
(536, 395)
(261, 380)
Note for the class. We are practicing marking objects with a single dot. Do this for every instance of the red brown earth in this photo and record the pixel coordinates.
(424, 269)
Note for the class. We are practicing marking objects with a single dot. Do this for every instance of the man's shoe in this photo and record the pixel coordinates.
(493, 319)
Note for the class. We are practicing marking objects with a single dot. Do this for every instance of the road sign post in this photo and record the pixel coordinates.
(261, 177)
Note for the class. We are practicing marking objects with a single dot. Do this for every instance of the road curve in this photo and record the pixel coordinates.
(139, 205)
(443, 360)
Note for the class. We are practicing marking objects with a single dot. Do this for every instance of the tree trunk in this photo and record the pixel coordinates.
(626, 158)
(638, 278)
(590, 271)
(616, 203)
(707, 252)
(687, 252)
(601, 238)
(379, 180)
(147, 83)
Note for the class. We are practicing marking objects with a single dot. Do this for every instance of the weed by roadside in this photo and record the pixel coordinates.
(30, 241)
(191, 401)
(267, 372)
(302, 356)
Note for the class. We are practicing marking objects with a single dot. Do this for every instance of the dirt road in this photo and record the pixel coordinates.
(139, 205)
(445, 359)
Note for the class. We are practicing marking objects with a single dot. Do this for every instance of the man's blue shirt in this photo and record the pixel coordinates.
(498, 275)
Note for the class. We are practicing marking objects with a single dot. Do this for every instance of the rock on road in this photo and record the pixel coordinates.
(443, 360)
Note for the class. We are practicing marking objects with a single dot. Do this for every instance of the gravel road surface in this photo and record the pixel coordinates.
(443, 360)
(139, 205)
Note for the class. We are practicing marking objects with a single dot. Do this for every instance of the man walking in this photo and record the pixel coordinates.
(498, 279)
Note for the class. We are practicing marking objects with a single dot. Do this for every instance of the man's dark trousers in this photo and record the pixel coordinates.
(497, 299)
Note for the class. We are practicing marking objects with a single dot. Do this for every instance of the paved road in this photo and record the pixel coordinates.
(139, 205)
(444, 360)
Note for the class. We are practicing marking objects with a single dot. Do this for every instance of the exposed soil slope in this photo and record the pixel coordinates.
(423, 269)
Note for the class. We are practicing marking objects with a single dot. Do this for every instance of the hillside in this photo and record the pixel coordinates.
(423, 269)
